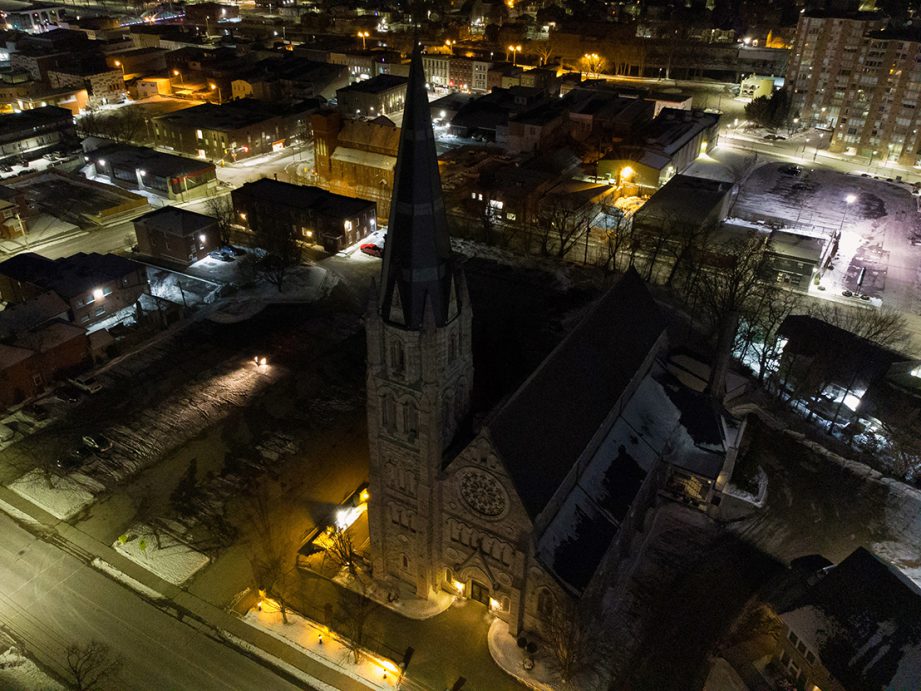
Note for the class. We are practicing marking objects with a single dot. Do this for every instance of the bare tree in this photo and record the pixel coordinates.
(281, 243)
(884, 326)
(355, 613)
(91, 664)
(147, 512)
(559, 227)
(221, 208)
(124, 125)
(342, 552)
(272, 548)
(723, 291)
(761, 317)
(544, 51)
(576, 643)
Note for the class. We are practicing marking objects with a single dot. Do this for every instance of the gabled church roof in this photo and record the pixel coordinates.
(418, 271)
(545, 426)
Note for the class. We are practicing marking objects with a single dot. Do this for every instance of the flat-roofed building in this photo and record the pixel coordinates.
(167, 175)
(177, 235)
(33, 131)
(232, 131)
(319, 217)
(379, 95)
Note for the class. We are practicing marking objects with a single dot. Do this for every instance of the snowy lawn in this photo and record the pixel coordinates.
(18, 673)
(323, 645)
(506, 654)
(63, 497)
(301, 284)
(172, 561)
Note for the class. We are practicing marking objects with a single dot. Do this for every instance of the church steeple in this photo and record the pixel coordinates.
(418, 269)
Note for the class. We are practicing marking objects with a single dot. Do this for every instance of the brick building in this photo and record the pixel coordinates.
(177, 235)
(319, 217)
(379, 95)
(234, 130)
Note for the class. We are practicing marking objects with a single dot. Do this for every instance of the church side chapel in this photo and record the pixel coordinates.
(550, 494)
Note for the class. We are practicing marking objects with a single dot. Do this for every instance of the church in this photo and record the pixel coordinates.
(552, 491)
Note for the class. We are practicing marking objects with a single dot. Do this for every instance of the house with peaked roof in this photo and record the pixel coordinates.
(858, 628)
(541, 503)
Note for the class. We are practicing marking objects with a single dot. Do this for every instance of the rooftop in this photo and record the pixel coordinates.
(16, 123)
(590, 370)
(68, 276)
(233, 115)
(304, 197)
(375, 85)
(156, 163)
(176, 221)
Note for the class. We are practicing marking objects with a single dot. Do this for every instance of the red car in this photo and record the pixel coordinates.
(372, 249)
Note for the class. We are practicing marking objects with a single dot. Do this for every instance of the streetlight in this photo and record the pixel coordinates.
(118, 63)
(514, 51)
(215, 87)
(848, 200)
(364, 35)
(449, 43)
(177, 73)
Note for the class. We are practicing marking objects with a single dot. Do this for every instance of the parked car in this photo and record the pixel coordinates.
(97, 442)
(68, 394)
(35, 412)
(371, 249)
(790, 170)
(74, 459)
(87, 382)
(231, 251)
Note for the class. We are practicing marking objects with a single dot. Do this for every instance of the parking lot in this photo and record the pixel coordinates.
(878, 222)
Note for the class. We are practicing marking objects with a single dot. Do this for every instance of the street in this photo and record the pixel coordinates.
(51, 600)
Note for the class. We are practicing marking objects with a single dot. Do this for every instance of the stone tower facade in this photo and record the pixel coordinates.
(420, 364)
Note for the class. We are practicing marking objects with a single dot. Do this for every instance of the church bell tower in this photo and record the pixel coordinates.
(420, 366)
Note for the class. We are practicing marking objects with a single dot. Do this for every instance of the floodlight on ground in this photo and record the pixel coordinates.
(851, 198)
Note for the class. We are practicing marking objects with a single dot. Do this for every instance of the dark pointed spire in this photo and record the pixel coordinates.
(417, 257)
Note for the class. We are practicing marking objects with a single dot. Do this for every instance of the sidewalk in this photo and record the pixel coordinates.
(188, 608)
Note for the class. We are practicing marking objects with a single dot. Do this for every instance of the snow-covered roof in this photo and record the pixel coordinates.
(863, 620)
(589, 371)
(662, 420)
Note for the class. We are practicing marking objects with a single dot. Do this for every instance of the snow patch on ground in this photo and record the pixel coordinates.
(65, 497)
(758, 500)
(324, 646)
(19, 673)
(507, 655)
(407, 604)
(172, 561)
(301, 284)
(276, 662)
(125, 579)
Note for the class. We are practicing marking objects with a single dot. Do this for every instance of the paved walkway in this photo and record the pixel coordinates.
(447, 647)
(210, 620)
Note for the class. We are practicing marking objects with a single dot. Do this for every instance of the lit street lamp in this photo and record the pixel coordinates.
(848, 200)
(364, 35)
(177, 73)
(514, 50)
(119, 64)
(215, 87)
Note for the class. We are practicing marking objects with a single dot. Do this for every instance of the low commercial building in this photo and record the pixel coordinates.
(685, 205)
(167, 175)
(177, 235)
(30, 132)
(94, 286)
(232, 131)
(666, 146)
(794, 259)
(379, 95)
(319, 217)
(104, 85)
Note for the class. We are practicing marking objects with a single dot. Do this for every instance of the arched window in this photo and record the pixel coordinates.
(388, 413)
(397, 358)
(545, 603)
(410, 419)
